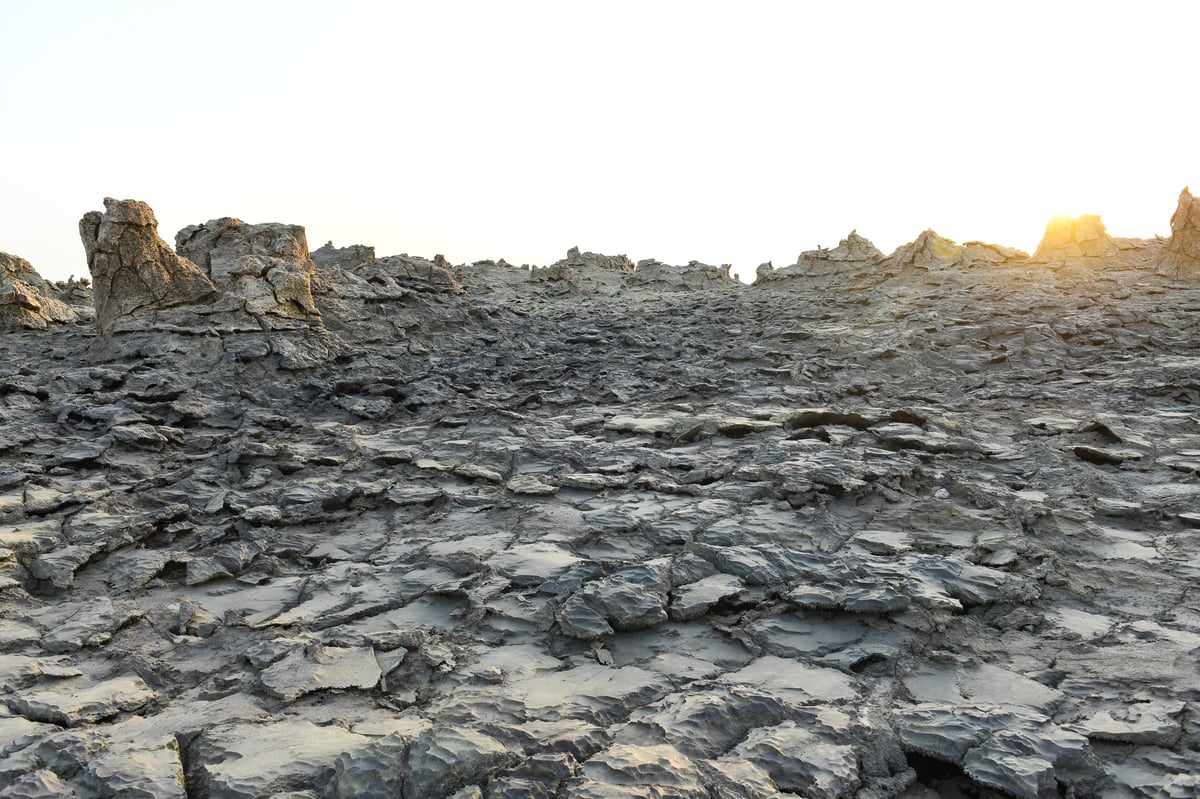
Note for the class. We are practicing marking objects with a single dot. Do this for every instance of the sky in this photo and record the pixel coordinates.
(720, 132)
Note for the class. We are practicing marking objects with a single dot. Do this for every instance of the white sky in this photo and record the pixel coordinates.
(723, 132)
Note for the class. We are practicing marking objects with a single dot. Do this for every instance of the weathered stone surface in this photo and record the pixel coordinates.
(262, 270)
(40, 784)
(1180, 254)
(1013, 749)
(929, 252)
(28, 301)
(444, 759)
(1072, 238)
(695, 276)
(80, 701)
(148, 770)
(245, 761)
(585, 272)
(134, 272)
(319, 668)
(801, 761)
(660, 769)
(847, 260)
(1155, 722)
(474, 535)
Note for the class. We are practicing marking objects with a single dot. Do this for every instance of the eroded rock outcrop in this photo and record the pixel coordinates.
(929, 252)
(1073, 238)
(854, 256)
(28, 301)
(261, 270)
(355, 272)
(1180, 255)
(135, 274)
(584, 272)
(694, 276)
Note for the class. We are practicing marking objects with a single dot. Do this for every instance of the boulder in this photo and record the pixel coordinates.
(1072, 238)
(262, 270)
(134, 272)
(1180, 254)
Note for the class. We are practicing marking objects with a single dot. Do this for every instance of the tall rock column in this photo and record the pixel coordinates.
(1181, 253)
(134, 272)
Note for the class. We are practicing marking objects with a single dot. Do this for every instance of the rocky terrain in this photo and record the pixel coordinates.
(298, 524)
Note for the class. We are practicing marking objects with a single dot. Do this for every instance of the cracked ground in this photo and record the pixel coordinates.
(930, 538)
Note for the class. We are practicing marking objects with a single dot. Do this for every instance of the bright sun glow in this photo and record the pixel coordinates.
(669, 130)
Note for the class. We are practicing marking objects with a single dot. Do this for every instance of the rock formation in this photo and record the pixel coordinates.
(586, 272)
(135, 274)
(1180, 255)
(934, 534)
(28, 301)
(1074, 238)
(695, 276)
(929, 252)
(260, 270)
(853, 257)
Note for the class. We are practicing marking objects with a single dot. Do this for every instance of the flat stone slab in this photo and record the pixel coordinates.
(1157, 722)
(794, 681)
(78, 701)
(247, 761)
(533, 564)
(694, 599)
(320, 668)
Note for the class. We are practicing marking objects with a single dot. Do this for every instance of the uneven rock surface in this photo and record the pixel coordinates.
(29, 301)
(907, 526)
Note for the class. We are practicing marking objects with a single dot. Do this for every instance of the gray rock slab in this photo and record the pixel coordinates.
(694, 599)
(795, 681)
(40, 784)
(320, 668)
(801, 761)
(152, 769)
(589, 692)
(534, 563)
(80, 701)
(245, 761)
